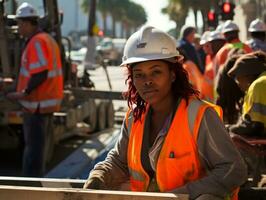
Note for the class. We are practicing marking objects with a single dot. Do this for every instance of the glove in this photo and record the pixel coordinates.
(94, 183)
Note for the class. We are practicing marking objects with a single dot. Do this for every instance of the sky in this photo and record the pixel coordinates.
(155, 16)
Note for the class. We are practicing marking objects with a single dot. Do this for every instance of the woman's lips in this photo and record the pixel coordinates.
(145, 92)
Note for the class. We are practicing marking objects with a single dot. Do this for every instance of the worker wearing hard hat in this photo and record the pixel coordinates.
(39, 88)
(257, 30)
(195, 76)
(215, 41)
(170, 140)
(249, 72)
(231, 33)
(186, 44)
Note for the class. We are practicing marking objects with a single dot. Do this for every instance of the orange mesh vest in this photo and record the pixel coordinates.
(178, 162)
(41, 53)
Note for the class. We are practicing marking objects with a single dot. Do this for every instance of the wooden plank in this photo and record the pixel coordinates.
(41, 182)
(31, 193)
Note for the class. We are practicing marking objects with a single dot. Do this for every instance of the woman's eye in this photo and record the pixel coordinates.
(156, 72)
(137, 75)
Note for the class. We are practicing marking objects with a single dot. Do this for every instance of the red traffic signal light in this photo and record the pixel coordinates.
(227, 7)
(212, 18)
(227, 10)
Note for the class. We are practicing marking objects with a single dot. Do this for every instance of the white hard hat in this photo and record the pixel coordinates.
(257, 26)
(229, 26)
(26, 10)
(215, 35)
(204, 37)
(149, 43)
(219, 28)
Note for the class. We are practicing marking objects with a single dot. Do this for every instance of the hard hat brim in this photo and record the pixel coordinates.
(171, 58)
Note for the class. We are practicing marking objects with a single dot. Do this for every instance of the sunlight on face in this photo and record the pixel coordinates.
(153, 80)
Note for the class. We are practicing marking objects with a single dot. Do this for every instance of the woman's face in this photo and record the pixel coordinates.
(153, 81)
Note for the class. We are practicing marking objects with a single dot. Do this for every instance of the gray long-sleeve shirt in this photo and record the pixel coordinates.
(225, 169)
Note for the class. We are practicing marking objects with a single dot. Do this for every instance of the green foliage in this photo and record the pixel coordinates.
(125, 11)
(177, 10)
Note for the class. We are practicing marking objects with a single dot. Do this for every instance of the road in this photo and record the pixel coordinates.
(11, 159)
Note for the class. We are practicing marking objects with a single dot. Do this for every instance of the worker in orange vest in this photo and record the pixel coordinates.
(214, 41)
(195, 77)
(170, 140)
(230, 31)
(39, 88)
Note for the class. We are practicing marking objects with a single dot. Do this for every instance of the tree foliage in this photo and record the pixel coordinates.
(131, 15)
(177, 10)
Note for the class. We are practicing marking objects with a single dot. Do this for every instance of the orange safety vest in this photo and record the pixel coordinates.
(194, 75)
(41, 53)
(208, 83)
(178, 162)
(222, 54)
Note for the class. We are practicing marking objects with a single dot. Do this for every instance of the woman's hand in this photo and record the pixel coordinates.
(94, 183)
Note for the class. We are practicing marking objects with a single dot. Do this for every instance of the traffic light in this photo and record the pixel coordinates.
(212, 19)
(227, 10)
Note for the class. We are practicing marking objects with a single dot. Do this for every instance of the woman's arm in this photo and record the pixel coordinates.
(113, 171)
(221, 160)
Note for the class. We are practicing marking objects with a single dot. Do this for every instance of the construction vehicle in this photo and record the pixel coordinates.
(78, 107)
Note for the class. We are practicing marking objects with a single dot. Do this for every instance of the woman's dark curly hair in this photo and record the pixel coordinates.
(180, 88)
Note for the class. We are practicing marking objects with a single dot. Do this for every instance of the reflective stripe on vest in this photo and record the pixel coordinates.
(136, 175)
(43, 104)
(24, 72)
(42, 61)
(55, 73)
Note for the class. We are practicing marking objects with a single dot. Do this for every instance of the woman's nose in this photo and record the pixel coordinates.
(148, 82)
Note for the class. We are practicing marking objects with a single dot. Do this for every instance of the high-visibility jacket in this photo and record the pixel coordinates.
(194, 75)
(197, 79)
(255, 100)
(222, 54)
(41, 53)
(208, 83)
(178, 162)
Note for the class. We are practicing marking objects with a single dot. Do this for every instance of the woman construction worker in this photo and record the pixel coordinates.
(170, 140)
(249, 72)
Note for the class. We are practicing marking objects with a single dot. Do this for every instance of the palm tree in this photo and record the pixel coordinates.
(102, 6)
(177, 11)
(128, 13)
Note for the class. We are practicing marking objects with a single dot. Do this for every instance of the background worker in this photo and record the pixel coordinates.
(162, 147)
(195, 77)
(231, 33)
(257, 30)
(228, 95)
(186, 43)
(215, 41)
(199, 48)
(39, 87)
(249, 72)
